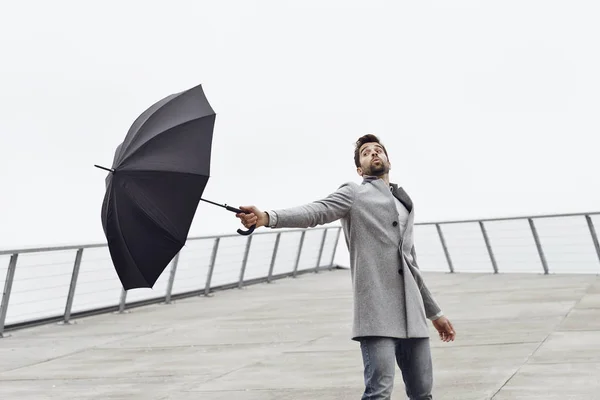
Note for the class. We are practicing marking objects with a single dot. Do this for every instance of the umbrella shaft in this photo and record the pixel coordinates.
(225, 206)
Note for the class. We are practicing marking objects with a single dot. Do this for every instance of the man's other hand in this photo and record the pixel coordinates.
(445, 329)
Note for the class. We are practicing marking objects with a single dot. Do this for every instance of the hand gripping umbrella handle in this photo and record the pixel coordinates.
(238, 211)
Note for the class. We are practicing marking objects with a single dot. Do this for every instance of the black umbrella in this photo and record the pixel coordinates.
(157, 178)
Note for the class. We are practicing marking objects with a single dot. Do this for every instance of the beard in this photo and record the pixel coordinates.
(378, 170)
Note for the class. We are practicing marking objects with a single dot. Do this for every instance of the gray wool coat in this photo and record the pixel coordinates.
(390, 295)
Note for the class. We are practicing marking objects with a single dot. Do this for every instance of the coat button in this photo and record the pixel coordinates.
(395, 223)
(400, 271)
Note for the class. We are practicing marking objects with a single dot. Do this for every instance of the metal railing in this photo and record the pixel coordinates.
(86, 276)
(555, 243)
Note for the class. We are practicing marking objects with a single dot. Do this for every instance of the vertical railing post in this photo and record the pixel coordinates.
(538, 244)
(489, 247)
(446, 252)
(335, 245)
(171, 279)
(299, 254)
(321, 250)
(211, 267)
(594, 236)
(275, 248)
(72, 286)
(122, 301)
(10, 276)
(244, 262)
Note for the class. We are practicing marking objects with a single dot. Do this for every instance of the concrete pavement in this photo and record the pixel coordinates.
(520, 336)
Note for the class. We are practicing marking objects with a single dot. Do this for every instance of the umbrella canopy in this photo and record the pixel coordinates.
(157, 178)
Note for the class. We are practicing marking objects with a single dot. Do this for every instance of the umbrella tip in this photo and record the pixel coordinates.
(104, 168)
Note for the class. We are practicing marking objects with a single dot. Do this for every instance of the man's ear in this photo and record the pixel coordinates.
(359, 171)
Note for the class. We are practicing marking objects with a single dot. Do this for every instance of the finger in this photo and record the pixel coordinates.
(448, 331)
(244, 217)
(250, 221)
(451, 330)
(451, 334)
(248, 217)
(247, 209)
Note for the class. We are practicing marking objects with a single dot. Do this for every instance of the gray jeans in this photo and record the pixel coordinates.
(380, 356)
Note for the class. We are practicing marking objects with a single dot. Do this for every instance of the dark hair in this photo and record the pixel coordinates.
(369, 138)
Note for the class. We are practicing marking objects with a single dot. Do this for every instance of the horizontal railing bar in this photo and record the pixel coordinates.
(508, 218)
(56, 248)
(99, 245)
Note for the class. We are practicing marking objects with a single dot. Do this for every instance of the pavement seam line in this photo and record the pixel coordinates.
(187, 389)
(78, 351)
(542, 343)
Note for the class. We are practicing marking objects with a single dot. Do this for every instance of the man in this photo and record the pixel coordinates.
(391, 300)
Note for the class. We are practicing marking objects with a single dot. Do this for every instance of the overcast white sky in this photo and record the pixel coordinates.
(486, 108)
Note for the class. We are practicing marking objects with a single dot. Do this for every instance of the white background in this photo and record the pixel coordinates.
(486, 108)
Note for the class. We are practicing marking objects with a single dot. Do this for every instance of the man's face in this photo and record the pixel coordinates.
(373, 160)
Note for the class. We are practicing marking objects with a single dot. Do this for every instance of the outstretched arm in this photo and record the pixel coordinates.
(329, 209)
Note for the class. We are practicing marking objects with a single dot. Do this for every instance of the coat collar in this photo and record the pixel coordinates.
(401, 195)
(397, 191)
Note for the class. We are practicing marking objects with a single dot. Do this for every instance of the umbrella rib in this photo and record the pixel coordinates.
(156, 223)
(161, 133)
(158, 106)
(125, 242)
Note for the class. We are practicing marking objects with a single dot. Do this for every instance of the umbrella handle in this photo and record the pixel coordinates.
(248, 232)
(238, 211)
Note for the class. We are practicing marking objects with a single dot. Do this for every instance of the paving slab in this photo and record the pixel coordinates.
(562, 381)
(581, 319)
(520, 336)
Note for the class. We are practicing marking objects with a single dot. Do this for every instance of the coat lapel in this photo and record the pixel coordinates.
(401, 195)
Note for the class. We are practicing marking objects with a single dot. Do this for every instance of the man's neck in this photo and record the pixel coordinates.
(384, 177)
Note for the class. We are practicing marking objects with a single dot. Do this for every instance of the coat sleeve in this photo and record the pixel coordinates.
(432, 309)
(324, 211)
